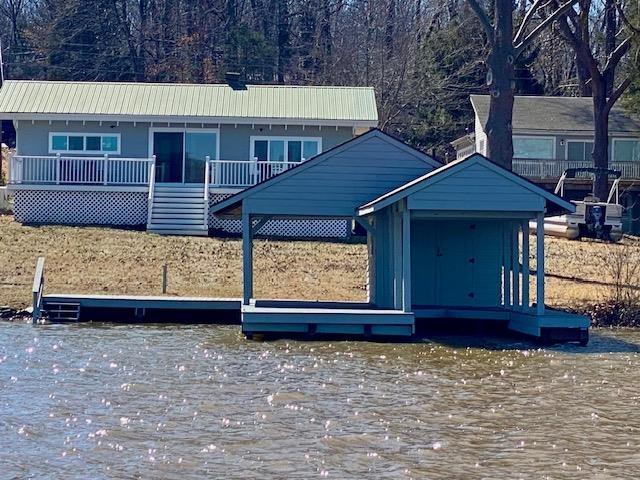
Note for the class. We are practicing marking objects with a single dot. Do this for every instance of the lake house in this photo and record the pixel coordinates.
(160, 155)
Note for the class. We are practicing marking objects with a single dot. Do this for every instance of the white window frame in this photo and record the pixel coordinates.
(254, 138)
(537, 137)
(575, 140)
(84, 142)
(621, 139)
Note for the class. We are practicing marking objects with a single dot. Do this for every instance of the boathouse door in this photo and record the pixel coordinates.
(455, 263)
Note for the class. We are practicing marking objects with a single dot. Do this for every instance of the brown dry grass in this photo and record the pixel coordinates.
(103, 260)
(5, 166)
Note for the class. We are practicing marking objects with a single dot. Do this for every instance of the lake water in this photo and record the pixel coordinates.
(179, 402)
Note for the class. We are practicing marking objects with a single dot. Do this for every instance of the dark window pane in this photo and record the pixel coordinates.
(276, 151)
(310, 149)
(93, 143)
(76, 143)
(110, 144)
(294, 150)
(58, 142)
(260, 150)
(575, 151)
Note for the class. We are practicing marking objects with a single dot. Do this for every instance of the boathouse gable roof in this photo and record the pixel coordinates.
(335, 182)
(472, 184)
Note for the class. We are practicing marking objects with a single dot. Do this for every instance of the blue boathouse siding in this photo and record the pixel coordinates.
(361, 170)
(33, 137)
(475, 187)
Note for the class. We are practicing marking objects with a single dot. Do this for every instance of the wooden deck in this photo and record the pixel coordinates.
(303, 317)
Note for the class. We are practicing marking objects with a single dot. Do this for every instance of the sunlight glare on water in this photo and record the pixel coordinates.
(178, 402)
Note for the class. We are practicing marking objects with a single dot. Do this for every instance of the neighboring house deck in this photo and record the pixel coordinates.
(160, 155)
(551, 134)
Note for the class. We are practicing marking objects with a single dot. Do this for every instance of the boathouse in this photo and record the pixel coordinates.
(444, 241)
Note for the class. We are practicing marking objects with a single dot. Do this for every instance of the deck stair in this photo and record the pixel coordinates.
(62, 311)
(178, 210)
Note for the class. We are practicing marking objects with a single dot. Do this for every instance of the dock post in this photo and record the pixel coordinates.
(540, 264)
(247, 258)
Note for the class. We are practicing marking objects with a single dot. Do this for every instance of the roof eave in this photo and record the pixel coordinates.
(21, 116)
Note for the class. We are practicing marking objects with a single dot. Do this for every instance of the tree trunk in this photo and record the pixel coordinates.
(500, 80)
(600, 152)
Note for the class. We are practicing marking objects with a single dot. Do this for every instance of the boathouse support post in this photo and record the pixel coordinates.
(540, 264)
(525, 265)
(247, 258)
(406, 258)
(398, 248)
(515, 248)
(506, 264)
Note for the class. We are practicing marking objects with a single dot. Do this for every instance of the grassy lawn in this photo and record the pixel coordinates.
(103, 260)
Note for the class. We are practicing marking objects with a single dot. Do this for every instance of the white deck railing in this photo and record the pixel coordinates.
(553, 169)
(67, 170)
(244, 173)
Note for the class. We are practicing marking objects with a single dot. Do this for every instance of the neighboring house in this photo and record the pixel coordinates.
(160, 155)
(551, 134)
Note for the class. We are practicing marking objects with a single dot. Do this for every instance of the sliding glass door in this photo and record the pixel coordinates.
(180, 154)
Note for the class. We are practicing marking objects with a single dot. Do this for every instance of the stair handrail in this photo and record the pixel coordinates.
(38, 290)
(207, 174)
(152, 186)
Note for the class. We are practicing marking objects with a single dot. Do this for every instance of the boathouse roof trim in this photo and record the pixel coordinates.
(235, 200)
(452, 168)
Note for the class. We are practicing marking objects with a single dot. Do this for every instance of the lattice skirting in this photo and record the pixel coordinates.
(283, 228)
(80, 208)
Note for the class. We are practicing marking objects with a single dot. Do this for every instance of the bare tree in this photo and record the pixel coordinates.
(577, 28)
(505, 48)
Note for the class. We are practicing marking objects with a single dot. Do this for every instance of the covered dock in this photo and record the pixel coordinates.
(445, 242)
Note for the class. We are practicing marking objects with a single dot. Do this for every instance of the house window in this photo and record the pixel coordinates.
(534, 147)
(579, 150)
(285, 149)
(626, 150)
(84, 143)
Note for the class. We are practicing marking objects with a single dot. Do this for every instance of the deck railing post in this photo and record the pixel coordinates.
(255, 172)
(58, 168)
(207, 174)
(104, 169)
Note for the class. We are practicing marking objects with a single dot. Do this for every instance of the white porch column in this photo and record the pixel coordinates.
(406, 259)
(540, 264)
(525, 265)
(247, 258)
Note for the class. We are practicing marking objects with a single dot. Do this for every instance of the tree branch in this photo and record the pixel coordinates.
(484, 19)
(617, 93)
(526, 20)
(562, 9)
(616, 55)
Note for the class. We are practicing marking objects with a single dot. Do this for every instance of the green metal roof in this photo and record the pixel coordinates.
(323, 105)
